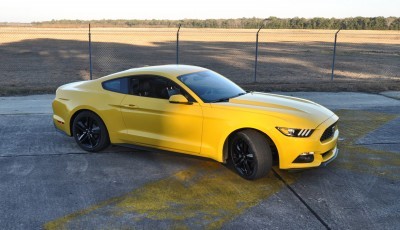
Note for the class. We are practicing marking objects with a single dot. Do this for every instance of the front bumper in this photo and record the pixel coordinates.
(333, 157)
(290, 148)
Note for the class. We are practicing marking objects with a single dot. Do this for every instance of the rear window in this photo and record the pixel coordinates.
(119, 85)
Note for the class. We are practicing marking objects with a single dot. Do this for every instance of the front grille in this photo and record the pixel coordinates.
(328, 133)
(326, 153)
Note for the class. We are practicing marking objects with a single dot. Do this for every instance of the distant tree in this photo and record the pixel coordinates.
(357, 23)
(395, 24)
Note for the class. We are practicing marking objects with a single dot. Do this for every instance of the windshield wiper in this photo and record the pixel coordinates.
(226, 99)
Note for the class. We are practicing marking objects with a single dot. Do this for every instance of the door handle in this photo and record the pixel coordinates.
(130, 106)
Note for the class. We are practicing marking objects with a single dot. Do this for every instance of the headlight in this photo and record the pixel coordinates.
(291, 132)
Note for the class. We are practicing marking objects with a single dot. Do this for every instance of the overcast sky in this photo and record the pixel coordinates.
(43, 10)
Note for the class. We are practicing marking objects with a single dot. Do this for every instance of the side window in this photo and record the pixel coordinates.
(134, 86)
(119, 85)
(156, 87)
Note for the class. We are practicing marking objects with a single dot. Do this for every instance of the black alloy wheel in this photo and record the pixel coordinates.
(250, 154)
(243, 157)
(89, 132)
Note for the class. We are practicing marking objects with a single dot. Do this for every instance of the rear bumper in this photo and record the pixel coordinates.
(57, 128)
(60, 119)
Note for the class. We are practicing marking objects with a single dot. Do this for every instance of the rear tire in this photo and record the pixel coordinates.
(90, 132)
(250, 154)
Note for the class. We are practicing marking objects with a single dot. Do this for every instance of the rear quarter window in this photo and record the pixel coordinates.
(119, 85)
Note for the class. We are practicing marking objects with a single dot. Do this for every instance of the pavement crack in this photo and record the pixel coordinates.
(23, 114)
(301, 200)
(389, 96)
(55, 154)
(41, 155)
(382, 143)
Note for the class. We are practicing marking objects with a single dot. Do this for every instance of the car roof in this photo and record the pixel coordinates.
(163, 70)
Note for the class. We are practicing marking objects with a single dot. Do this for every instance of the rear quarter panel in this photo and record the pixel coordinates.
(72, 99)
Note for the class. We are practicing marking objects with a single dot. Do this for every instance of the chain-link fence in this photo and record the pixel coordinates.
(118, 49)
(295, 56)
(368, 55)
(33, 60)
(37, 59)
(230, 53)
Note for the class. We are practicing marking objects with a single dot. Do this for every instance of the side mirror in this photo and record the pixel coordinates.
(179, 99)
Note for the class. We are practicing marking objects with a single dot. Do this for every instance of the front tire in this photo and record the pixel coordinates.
(250, 154)
(90, 132)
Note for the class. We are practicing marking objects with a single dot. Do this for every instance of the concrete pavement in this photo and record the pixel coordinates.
(47, 181)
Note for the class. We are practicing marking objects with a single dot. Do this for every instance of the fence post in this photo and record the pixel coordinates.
(256, 59)
(90, 54)
(177, 44)
(334, 54)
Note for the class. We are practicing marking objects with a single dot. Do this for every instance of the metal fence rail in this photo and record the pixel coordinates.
(37, 57)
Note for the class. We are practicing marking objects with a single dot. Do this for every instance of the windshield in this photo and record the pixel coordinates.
(211, 86)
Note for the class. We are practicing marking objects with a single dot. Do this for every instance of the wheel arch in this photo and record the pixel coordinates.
(271, 143)
(71, 121)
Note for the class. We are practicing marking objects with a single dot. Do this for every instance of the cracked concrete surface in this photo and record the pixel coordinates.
(47, 181)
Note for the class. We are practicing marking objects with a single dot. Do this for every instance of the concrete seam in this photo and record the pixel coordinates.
(54, 154)
(383, 143)
(11, 114)
(302, 200)
(387, 96)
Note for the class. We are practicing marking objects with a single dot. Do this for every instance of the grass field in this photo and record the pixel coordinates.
(37, 60)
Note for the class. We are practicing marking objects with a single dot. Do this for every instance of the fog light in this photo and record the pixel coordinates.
(306, 157)
(307, 153)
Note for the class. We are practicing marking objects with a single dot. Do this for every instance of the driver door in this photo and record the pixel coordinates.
(153, 121)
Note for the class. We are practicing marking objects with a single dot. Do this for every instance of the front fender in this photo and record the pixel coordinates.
(219, 124)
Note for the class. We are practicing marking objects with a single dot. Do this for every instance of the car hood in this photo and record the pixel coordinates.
(284, 107)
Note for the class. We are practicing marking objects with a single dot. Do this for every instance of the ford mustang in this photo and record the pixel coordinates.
(193, 110)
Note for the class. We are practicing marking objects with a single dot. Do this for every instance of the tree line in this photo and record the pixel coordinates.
(356, 23)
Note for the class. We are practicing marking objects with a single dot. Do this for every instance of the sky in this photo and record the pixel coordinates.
(45, 10)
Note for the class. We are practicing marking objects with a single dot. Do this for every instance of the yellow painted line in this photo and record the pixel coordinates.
(355, 124)
(205, 196)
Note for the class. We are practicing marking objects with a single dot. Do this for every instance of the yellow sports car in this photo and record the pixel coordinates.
(196, 111)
